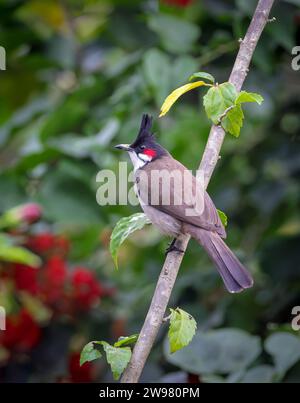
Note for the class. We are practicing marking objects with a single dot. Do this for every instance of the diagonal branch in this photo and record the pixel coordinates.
(208, 163)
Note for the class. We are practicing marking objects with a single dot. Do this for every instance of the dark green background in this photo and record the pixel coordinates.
(79, 76)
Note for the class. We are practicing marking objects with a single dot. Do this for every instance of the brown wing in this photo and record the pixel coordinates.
(166, 197)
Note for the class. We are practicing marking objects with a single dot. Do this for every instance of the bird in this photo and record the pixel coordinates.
(171, 218)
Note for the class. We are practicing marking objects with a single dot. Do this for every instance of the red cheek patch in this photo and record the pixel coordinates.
(149, 152)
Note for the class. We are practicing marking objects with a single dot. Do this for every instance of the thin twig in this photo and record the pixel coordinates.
(167, 318)
(210, 157)
(210, 55)
(225, 113)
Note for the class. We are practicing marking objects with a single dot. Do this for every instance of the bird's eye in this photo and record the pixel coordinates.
(143, 147)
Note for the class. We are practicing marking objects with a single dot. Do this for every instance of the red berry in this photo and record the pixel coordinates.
(55, 271)
(54, 276)
(22, 333)
(79, 373)
(86, 289)
(180, 3)
(41, 243)
(26, 278)
(48, 243)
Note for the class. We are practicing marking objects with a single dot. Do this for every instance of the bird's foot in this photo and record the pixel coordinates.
(173, 248)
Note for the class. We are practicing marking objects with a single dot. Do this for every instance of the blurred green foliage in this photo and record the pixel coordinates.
(79, 75)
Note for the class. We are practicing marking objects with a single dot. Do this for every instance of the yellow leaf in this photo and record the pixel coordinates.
(47, 12)
(172, 98)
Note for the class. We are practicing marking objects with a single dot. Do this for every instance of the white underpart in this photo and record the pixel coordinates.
(139, 160)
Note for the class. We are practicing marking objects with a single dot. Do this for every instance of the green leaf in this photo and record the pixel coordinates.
(204, 75)
(181, 68)
(223, 217)
(176, 34)
(125, 341)
(211, 378)
(182, 329)
(82, 147)
(89, 352)
(216, 352)
(123, 228)
(245, 96)
(4, 354)
(259, 374)
(67, 197)
(222, 104)
(228, 92)
(12, 193)
(8, 299)
(233, 121)
(217, 99)
(156, 71)
(17, 254)
(38, 310)
(285, 349)
(117, 357)
(64, 118)
(23, 116)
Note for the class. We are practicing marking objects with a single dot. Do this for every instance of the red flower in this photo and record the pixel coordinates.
(79, 373)
(55, 271)
(22, 333)
(46, 242)
(41, 243)
(26, 278)
(86, 289)
(62, 245)
(180, 3)
(54, 277)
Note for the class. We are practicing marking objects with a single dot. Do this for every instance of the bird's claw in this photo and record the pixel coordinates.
(173, 248)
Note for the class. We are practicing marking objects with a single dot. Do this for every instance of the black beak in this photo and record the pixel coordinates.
(124, 147)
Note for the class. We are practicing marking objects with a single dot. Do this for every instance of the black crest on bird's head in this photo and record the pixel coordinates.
(146, 139)
(144, 135)
(146, 124)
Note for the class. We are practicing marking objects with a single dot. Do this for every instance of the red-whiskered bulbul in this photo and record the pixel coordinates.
(171, 218)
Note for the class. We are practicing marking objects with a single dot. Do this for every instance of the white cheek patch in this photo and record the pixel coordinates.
(145, 157)
(136, 161)
(139, 160)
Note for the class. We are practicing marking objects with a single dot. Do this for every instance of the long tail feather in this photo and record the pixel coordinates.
(235, 276)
